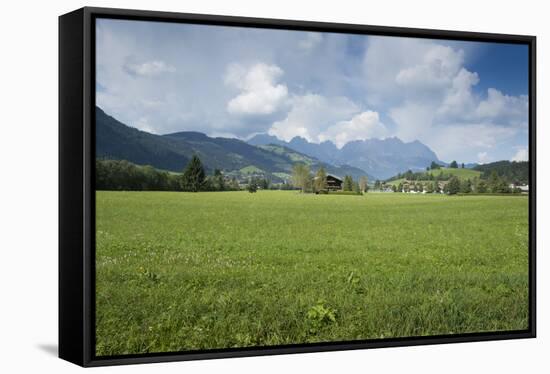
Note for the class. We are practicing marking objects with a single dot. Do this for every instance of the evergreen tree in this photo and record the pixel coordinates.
(493, 182)
(453, 186)
(400, 187)
(194, 175)
(252, 185)
(466, 186)
(453, 165)
(429, 187)
(481, 186)
(234, 184)
(435, 166)
(263, 184)
(377, 184)
(348, 183)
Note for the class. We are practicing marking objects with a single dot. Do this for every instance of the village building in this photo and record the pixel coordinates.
(524, 188)
(334, 183)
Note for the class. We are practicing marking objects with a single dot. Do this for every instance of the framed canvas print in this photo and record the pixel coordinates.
(237, 186)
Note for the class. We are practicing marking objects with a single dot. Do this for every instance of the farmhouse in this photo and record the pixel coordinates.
(523, 187)
(334, 183)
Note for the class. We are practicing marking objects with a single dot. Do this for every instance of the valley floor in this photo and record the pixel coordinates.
(185, 271)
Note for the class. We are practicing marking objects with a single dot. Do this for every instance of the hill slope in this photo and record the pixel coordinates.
(460, 173)
(511, 171)
(115, 140)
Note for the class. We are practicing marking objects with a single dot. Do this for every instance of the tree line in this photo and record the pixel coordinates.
(122, 175)
(494, 184)
(421, 175)
(307, 182)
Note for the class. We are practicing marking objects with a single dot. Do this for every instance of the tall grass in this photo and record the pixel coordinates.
(184, 271)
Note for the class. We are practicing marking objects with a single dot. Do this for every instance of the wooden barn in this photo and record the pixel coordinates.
(334, 183)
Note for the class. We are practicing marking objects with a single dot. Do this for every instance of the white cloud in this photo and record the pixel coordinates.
(315, 85)
(439, 65)
(483, 157)
(311, 40)
(311, 115)
(521, 155)
(413, 120)
(503, 107)
(148, 69)
(143, 125)
(260, 92)
(459, 101)
(362, 126)
(428, 93)
(466, 141)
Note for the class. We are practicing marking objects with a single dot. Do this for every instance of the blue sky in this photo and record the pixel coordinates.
(467, 101)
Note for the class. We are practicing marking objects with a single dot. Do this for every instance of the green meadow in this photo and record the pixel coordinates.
(460, 173)
(180, 271)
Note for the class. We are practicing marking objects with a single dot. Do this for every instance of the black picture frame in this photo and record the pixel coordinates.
(76, 183)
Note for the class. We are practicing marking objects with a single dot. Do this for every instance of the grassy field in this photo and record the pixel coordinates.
(184, 271)
(459, 173)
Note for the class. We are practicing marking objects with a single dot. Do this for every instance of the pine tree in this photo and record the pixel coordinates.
(252, 185)
(194, 176)
(434, 166)
(429, 187)
(466, 186)
(453, 187)
(348, 183)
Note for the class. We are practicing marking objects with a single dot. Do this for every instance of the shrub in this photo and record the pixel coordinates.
(320, 315)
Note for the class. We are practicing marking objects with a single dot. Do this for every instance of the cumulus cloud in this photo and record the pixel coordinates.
(439, 65)
(260, 92)
(363, 126)
(312, 114)
(521, 155)
(148, 68)
(322, 86)
(509, 109)
(459, 101)
(466, 141)
(430, 95)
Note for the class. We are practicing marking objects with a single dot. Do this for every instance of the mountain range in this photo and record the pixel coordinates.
(381, 158)
(115, 140)
(262, 154)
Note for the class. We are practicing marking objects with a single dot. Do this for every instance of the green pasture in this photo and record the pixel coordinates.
(460, 173)
(183, 271)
